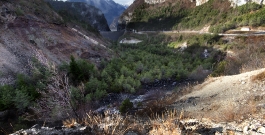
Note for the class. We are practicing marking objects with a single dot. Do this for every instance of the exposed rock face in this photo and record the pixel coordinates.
(84, 12)
(37, 130)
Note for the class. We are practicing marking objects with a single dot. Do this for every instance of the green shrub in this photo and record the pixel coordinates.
(99, 94)
(7, 94)
(93, 84)
(126, 105)
(19, 12)
(220, 69)
(25, 84)
(95, 89)
(80, 70)
(25, 90)
(21, 100)
(77, 97)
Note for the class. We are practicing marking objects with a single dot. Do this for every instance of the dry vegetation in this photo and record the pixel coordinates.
(116, 124)
(259, 77)
(247, 54)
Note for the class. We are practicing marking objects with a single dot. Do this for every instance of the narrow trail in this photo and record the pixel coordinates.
(115, 35)
(234, 33)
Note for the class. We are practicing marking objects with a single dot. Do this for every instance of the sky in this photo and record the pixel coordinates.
(124, 2)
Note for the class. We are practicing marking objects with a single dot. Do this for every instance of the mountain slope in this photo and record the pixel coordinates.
(31, 29)
(182, 14)
(83, 12)
(110, 9)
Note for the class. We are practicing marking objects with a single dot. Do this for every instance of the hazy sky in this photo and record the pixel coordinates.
(124, 2)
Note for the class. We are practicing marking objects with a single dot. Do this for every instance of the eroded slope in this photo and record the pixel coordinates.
(31, 29)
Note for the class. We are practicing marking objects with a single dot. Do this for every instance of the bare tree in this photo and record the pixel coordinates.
(55, 102)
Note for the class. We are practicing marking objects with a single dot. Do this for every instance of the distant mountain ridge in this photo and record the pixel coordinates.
(83, 12)
(110, 9)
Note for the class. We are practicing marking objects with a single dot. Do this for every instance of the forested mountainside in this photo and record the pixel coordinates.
(110, 9)
(184, 14)
(83, 12)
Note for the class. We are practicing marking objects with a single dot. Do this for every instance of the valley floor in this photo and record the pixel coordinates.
(225, 105)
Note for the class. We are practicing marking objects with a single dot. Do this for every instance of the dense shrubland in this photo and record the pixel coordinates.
(135, 65)
(139, 65)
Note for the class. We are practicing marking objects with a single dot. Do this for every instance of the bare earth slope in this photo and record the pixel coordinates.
(27, 34)
(219, 94)
(236, 100)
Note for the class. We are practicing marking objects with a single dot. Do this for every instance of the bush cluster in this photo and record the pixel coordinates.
(126, 105)
(25, 90)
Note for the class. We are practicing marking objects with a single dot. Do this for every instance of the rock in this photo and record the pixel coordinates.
(261, 130)
(174, 83)
(36, 130)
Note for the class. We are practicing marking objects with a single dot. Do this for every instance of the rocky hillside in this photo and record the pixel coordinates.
(183, 14)
(31, 29)
(83, 12)
(110, 9)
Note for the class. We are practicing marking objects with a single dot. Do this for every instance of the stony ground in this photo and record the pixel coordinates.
(235, 103)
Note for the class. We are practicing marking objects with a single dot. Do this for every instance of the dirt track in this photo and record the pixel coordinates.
(226, 94)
